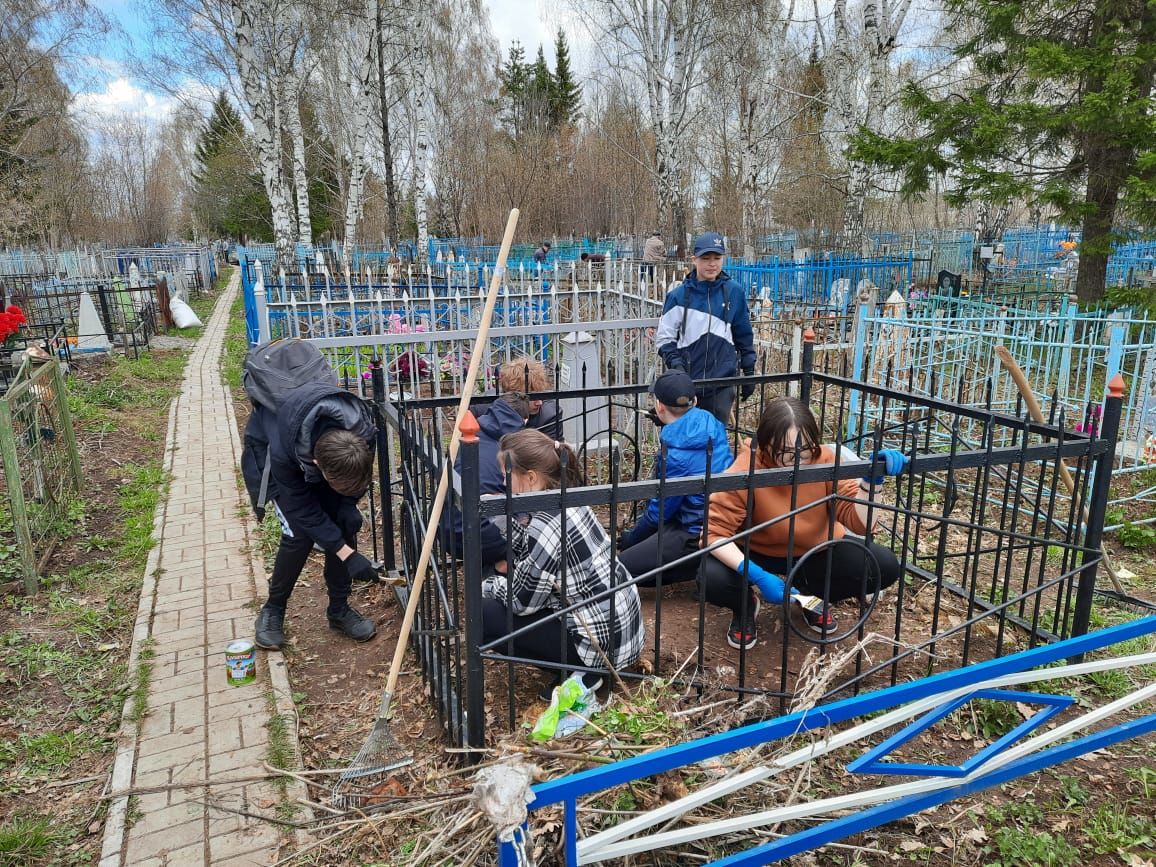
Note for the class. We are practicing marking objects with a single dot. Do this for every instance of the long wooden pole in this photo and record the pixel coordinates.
(1037, 414)
(431, 529)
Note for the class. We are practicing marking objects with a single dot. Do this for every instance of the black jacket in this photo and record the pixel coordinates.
(547, 420)
(501, 419)
(305, 499)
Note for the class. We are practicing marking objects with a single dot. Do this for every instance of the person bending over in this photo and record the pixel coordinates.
(687, 432)
(556, 563)
(787, 425)
(321, 464)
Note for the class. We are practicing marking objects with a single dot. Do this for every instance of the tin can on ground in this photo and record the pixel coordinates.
(241, 662)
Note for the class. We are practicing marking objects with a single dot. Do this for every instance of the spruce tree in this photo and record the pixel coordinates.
(540, 93)
(514, 76)
(224, 125)
(229, 196)
(567, 99)
(1058, 112)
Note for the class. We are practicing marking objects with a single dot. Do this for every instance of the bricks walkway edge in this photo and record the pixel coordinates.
(193, 601)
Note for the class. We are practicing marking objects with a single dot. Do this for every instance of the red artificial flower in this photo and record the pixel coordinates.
(17, 313)
(8, 326)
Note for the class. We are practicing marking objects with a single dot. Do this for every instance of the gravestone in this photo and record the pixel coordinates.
(949, 283)
(585, 421)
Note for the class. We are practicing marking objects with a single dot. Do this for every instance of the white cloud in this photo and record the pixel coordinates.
(525, 22)
(119, 97)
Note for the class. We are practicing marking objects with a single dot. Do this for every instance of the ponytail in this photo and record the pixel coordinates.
(530, 449)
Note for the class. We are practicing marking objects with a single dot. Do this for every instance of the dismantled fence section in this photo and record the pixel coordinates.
(991, 561)
(41, 464)
(762, 756)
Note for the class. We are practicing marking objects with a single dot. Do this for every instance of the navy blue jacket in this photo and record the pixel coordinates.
(311, 507)
(686, 442)
(501, 419)
(704, 326)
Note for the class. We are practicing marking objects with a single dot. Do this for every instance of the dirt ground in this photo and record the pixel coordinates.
(62, 684)
(338, 683)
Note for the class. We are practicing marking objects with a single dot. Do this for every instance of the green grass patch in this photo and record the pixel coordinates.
(144, 676)
(25, 839)
(236, 345)
(47, 752)
(138, 498)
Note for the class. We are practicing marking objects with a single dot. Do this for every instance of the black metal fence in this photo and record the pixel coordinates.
(128, 315)
(991, 559)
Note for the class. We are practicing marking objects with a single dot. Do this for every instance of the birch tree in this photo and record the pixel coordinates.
(859, 95)
(662, 43)
(261, 95)
(419, 86)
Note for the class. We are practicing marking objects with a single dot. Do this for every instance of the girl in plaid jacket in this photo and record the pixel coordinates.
(559, 559)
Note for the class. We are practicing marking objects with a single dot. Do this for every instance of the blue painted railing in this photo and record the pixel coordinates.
(569, 789)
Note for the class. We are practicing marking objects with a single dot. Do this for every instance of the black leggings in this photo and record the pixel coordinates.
(723, 590)
(849, 571)
(546, 643)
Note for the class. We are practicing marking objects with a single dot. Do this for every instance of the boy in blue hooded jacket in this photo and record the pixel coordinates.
(687, 432)
(705, 328)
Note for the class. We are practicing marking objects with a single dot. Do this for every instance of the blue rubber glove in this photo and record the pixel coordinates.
(770, 586)
(894, 462)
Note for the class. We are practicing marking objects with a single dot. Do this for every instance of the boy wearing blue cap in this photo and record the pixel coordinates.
(705, 327)
(669, 528)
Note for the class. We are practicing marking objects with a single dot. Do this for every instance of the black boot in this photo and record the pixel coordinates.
(353, 624)
(270, 628)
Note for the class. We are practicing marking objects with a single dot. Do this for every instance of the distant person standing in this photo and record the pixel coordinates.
(653, 254)
(705, 327)
(542, 253)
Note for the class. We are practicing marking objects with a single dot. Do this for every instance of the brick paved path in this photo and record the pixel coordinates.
(198, 589)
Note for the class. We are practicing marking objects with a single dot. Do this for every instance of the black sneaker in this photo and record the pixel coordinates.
(354, 625)
(270, 628)
(819, 617)
(746, 634)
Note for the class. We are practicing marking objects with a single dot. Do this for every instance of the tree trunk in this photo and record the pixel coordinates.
(386, 143)
(263, 109)
(854, 207)
(1106, 172)
(292, 107)
(421, 155)
(356, 193)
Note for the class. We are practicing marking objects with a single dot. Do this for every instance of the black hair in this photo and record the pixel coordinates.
(779, 416)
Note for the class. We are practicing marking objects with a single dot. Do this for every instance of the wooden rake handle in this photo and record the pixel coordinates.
(431, 529)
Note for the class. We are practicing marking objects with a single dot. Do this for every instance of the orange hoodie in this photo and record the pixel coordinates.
(728, 510)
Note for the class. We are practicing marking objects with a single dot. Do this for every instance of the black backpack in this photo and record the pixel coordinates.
(270, 371)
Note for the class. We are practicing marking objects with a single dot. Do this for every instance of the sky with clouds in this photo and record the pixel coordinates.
(107, 88)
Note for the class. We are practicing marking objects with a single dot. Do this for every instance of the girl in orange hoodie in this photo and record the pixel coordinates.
(787, 425)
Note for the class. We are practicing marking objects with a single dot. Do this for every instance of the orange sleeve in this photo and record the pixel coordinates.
(845, 512)
(728, 509)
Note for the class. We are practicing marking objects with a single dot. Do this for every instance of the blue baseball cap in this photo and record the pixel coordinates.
(709, 242)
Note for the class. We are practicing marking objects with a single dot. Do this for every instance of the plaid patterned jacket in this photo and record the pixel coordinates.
(549, 573)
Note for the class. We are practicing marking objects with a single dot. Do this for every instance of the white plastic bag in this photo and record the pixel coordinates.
(183, 314)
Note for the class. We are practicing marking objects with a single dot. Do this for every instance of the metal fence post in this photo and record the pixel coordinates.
(384, 475)
(259, 302)
(472, 569)
(808, 363)
(1101, 483)
(15, 483)
(863, 310)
